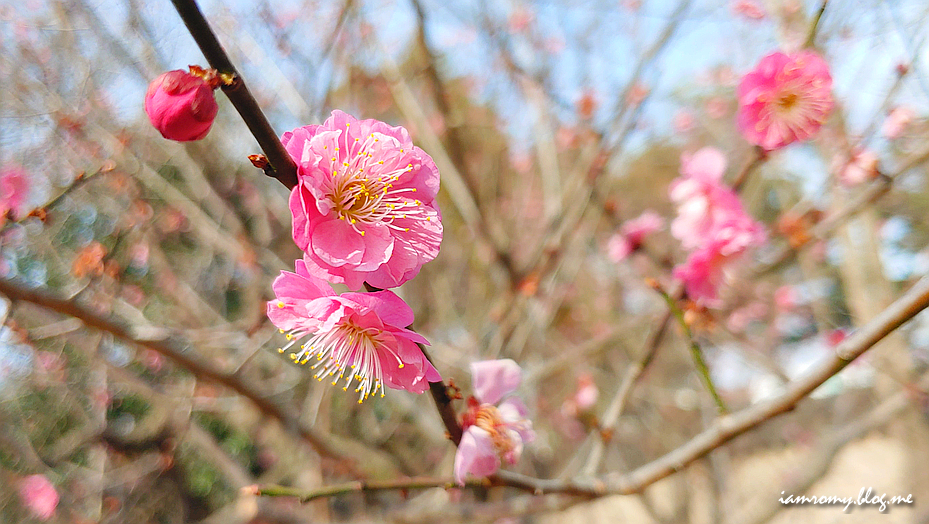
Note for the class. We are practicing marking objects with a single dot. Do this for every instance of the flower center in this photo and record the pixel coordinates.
(362, 189)
(488, 418)
(345, 349)
(787, 101)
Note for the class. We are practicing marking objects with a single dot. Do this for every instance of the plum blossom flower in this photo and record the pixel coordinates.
(748, 9)
(14, 187)
(584, 398)
(704, 202)
(39, 495)
(353, 336)
(495, 430)
(711, 223)
(859, 169)
(897, 121)
(364, 207)
(683, 121)
(181, 104)
(632, 234)
(785, 99)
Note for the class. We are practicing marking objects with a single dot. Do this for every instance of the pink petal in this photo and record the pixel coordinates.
(475, 455)
(336, 243)
(492, 379)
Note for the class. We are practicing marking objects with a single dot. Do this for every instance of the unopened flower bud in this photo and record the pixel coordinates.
(181, 105)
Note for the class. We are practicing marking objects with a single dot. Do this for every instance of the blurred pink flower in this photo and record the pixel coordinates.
(14, 188)
(786, 298)
(711, 222)
(584, 398)
(703, 271)
(364, 208)
(39, 495)
(632, 234)
(785, 99)
(740, 318)
(520, 19)
(361, 334)
(702, 274)
(717, 107)
(748, 9)
(637, 94)
(587, 103)
(704, 203)
(492, 433)
(897, 121)
(683, 121)
(860, 168)
(181, 105)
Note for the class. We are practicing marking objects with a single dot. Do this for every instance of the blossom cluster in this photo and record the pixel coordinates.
(364, 213)
(711, 223)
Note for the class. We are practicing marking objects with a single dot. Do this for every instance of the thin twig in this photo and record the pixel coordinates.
(365, 487)
(811, 35)
(443, 403)
(284, 169)
(695, 352)
(758, 157)
(621, 399)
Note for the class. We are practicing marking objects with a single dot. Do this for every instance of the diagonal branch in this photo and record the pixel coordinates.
(284, 169)
(727, 427)
(175, 347)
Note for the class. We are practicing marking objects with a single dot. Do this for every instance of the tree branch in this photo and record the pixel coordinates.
(175, 347)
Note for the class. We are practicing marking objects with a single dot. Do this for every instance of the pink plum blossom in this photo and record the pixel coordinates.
(14, 187)
(897, 121)
(353, 336)
(710, 222)
(704, 202)
(785, 99)
(495, 430)
(704, 270)
(859, 169)
(741, 318)
(181, 105)
(364, 207)
(683, 121)
(584, 398)
(632, 234)
(786, 298)
(39, 495)
(748, 9)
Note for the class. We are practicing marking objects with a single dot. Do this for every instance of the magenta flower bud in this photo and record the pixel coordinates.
(181, 105)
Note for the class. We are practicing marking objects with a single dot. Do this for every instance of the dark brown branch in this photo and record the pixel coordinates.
(443, 403)
(284, 169)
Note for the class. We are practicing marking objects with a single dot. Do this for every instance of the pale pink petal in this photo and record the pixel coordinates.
(475, 456)
(492, 379)
(706, 165)
(390, 308)
(356, 338)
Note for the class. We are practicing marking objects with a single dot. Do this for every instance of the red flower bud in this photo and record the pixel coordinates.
(181, 105)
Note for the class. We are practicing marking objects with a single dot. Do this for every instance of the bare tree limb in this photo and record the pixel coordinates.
(175, 347)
